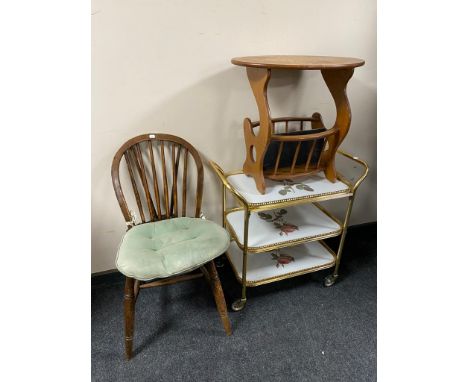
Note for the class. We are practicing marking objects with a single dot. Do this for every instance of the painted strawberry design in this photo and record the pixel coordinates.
(278, 221)
(286, 228)
(281, 259)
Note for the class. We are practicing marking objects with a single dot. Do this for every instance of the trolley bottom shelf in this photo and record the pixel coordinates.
(267, 267)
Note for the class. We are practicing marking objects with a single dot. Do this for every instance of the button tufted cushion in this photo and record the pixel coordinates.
(169, 247)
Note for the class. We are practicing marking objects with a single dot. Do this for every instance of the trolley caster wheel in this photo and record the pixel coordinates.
(330, 280)
(238, 305)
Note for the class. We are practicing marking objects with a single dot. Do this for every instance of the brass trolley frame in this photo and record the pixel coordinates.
(248, 208)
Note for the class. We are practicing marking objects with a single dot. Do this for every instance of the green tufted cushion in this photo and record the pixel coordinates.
(169, 247)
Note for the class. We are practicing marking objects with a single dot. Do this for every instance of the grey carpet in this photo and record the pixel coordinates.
(293, 330)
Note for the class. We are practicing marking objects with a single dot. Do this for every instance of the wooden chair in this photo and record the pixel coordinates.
(159, 186)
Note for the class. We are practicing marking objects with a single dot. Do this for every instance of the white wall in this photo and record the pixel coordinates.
(164, 66)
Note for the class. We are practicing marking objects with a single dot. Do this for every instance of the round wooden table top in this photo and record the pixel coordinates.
(298, 62)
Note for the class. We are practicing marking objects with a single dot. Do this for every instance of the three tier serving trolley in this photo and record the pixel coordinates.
(278, 225)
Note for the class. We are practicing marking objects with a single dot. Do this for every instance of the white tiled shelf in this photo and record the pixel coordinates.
(309, 187)
(276, 265)
(282, 227)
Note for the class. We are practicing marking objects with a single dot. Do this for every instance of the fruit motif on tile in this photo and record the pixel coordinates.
(281, 259)
(278, 220)
(288, 186)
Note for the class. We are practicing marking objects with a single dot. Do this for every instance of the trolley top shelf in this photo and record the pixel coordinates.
(290, 192)
(298, 62)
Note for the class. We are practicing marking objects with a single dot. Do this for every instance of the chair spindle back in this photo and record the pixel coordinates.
(159, 176)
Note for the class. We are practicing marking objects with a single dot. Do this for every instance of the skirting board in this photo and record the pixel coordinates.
(112, 276)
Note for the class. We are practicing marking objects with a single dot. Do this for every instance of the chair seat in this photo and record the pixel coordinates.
(169, 247)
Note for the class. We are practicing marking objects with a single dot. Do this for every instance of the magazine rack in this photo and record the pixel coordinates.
(336, 71)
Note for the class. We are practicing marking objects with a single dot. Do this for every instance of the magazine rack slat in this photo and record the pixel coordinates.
(336, 72)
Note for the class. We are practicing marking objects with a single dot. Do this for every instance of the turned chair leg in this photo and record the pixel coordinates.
(129, 315)
(219, 297)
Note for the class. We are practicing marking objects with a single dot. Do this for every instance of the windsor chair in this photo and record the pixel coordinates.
(167, 242)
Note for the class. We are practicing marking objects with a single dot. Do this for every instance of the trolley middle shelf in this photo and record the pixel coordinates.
(282, 227)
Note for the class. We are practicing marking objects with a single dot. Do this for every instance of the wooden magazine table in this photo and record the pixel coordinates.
(336, 71)
(278, 225)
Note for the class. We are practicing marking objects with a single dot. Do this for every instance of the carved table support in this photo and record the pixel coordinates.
(258, 144)
(336, 81)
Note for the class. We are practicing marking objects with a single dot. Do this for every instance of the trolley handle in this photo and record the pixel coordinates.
(225, 182)
(359, 161)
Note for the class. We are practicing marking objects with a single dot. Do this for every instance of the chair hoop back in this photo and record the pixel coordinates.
(157, 166)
